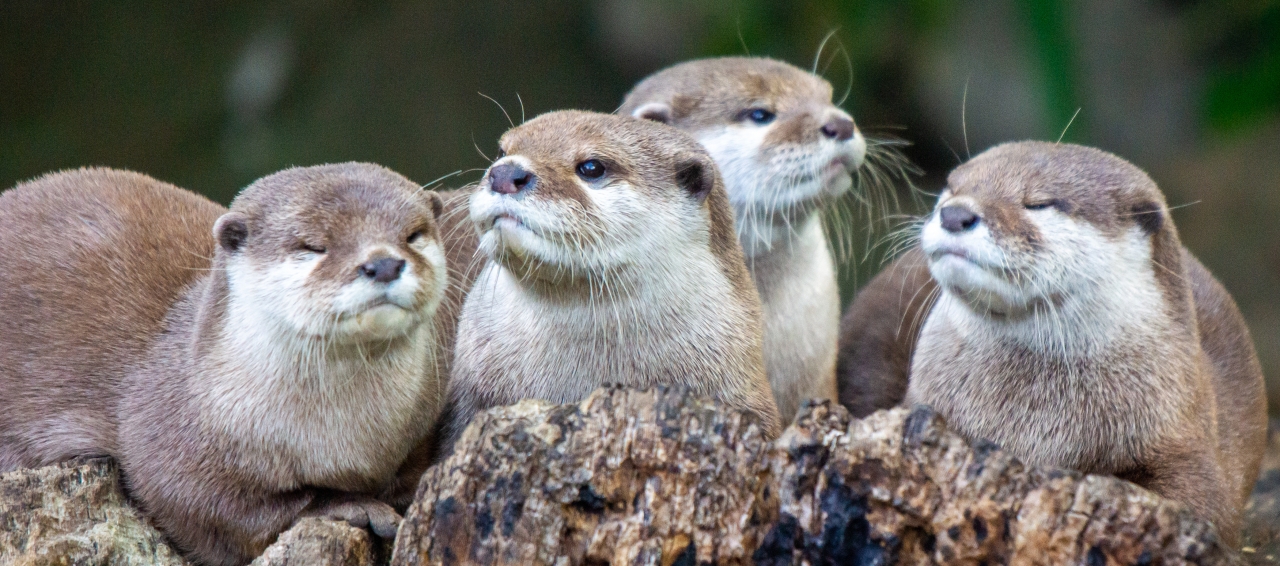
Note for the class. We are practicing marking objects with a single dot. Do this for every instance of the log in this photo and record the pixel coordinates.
(663, 477)
(75, 513)
(320, 542)
(1260, 534)
(625, 477)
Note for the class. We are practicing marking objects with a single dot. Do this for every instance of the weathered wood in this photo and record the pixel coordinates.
(659, 477)
(625, 477)
(899, 486)
(320, 542)
(1260, 534)
(75, 513)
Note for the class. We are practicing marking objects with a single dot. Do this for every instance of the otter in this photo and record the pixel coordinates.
(785, 151)
(246, 367)
(1073, 329)
(610, 258)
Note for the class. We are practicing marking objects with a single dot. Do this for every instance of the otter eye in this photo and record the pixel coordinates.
(759, 115)
(414, 237)
(1041, 205)
(311, 248)
(501, 154)
(591, 169)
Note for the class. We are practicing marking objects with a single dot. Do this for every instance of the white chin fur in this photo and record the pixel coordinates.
(380, 322)
(974, 278)
(773, 191)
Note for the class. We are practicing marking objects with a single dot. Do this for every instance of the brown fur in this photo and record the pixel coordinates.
(878, 335)
(1177, 407)
(117, 297)
(515, 342)
(789, 261)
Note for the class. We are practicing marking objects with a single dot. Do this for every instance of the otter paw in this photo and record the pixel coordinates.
(360, 512)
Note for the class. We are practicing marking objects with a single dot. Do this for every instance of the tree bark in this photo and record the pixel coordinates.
(320, 542)
(75, 513)
(662, 477)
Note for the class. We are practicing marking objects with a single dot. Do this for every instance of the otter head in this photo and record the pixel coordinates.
(783, 147)
(347, 253)
(1030, 226)
(575, 195)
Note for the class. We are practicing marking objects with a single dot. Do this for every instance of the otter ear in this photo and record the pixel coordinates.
(656, 111)
(1149, 216)
(435, 202)
(231, 230)
(696, 175)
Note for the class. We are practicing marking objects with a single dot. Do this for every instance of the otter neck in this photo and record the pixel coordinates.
(771, 235)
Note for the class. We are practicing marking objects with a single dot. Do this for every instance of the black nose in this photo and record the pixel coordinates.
(509, 179)
(383, 270)
(956, 218)
(840, 128)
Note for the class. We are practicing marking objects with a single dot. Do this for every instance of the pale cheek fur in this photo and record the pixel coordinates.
(971, 277)
(638, 228)
(280, 292)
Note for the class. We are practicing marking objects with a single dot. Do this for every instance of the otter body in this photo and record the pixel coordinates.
(785, 152)
(611, 259)
(246, 367)
(1073, 329)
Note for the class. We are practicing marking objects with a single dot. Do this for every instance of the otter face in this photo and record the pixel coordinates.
(1030, 226)
(780, 143)
(348, 253)
(576, 194)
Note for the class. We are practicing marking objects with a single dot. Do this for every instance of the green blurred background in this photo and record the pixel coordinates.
(210, 96)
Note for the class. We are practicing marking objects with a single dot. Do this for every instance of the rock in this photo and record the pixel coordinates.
(320, 542)
(1261, 531)
(663, 477)
(625, 477)
(75, 513)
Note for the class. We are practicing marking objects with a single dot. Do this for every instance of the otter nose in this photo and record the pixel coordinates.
(509, 179)
(384, 270)
(838, 128)
(956, 218)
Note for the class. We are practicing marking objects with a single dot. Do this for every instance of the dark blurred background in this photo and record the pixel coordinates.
(210, 96)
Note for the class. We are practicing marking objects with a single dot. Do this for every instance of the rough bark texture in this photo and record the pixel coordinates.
(631, 477)
(625, 477)
(899, 486)
(75, 513)
(1261, 532)
(320, 542)
(660, 477)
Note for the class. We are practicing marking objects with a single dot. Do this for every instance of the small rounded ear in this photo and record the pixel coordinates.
(656, 111)
(435, 202)
(1149, 216)
(231, 230)
(696, 175)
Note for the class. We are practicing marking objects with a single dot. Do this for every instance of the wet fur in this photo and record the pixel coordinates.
(638, 280)
(132, 333)
(1110, 381)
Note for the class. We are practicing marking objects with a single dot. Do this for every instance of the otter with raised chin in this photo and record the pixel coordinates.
(786, 152)
(247, 366)
(611, 258)
(1073, 329)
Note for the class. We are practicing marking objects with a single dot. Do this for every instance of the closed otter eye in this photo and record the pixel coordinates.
(304, 246)
(758, 115)
(414, 238)
(1041, 205)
